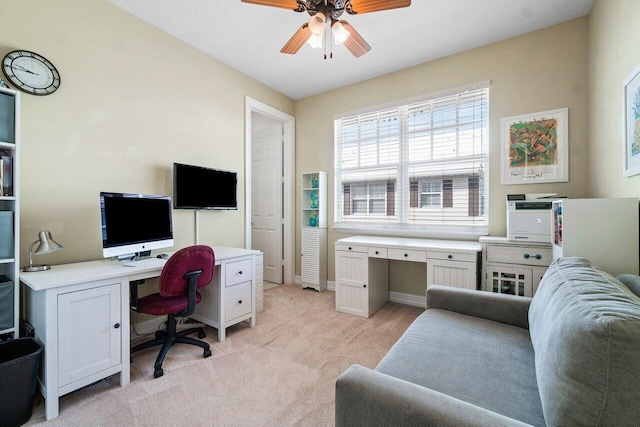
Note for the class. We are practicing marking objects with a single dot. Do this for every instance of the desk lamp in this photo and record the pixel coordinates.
(47, 245)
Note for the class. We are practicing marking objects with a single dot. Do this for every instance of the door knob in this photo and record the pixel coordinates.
(117, 325)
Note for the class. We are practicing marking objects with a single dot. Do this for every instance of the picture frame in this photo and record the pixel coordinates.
(534, 148)
(631, 123)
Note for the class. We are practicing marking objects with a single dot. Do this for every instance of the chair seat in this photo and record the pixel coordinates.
(158, 305)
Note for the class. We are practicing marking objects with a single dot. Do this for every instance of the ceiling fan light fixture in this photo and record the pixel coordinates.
(340, 34)
(317, 23)
(315, 41)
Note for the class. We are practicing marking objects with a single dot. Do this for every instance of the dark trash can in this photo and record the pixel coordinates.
(19, 365)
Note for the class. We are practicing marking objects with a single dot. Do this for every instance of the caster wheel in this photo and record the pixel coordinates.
(158, 373)
(201, 334)
(207, 353)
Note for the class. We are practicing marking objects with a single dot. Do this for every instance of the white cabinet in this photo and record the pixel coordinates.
(314, 258)
(605, 231)
(361, 286)
(453, 268)
(9, 212)
(513, 267)
(84, 328)
(89, 338)
(314, 231)
(259, 278)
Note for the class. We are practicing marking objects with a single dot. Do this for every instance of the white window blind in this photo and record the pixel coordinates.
(420, 165)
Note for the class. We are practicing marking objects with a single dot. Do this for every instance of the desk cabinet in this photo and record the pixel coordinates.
(514, 267)
(81, 328)
(89, 338)
(362, 271)
(361, 286)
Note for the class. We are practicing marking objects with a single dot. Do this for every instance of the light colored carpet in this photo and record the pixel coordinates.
(280, 373)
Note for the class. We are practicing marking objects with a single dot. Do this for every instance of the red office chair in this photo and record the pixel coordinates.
(186, 271)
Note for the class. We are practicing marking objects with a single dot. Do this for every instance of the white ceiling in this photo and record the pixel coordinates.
(248, 37)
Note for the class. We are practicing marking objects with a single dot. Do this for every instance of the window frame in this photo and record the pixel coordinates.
(401, 194)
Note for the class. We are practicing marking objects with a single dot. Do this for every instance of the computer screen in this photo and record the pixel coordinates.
(134, 223)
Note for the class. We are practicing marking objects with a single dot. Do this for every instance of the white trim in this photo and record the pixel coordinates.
(331, 285)
(412, 230)
(288, 122)
(408, 299)
(398, 103)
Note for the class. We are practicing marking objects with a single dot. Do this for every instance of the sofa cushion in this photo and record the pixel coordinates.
(479, 361)
(585, 331)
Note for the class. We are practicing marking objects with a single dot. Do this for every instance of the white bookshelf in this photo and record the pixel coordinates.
(314, 230)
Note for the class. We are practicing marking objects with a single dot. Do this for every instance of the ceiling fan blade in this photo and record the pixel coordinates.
(366, 6)
(298, 40)
(285, 4)
(355, 43)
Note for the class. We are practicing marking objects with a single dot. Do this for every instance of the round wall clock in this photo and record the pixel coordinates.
(30, 72)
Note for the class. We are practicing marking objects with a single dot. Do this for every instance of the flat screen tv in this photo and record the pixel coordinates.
(134, 223)
(197, 187)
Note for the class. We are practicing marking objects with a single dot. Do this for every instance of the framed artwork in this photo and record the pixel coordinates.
(631, 115)
(534, 148)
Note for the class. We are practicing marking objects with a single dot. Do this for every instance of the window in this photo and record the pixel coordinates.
(418, 166)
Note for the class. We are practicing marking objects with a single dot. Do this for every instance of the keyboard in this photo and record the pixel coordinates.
(146, 263)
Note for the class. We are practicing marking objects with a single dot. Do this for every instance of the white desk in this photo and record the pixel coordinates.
(80, 313)
(362, 270)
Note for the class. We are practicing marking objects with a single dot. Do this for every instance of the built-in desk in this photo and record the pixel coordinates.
(80, 313)
(362, 268)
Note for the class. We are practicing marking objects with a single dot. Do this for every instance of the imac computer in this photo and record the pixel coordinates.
(134, 224)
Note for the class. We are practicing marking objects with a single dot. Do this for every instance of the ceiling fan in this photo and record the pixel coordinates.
(325, 12)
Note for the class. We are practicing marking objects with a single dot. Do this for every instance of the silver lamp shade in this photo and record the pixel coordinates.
(46, 245)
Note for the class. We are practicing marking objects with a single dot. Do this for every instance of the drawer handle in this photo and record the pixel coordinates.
(538, 256)
(526, 256)
(117, 325)
(240, 272)
(449, 256)
(364, 286)
(406, 255)
(377, 252)
(349, 247)
(239, 301)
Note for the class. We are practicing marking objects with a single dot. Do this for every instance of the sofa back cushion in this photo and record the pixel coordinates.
(585, 331)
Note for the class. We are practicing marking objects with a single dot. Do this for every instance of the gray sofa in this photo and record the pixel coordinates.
(569, 356)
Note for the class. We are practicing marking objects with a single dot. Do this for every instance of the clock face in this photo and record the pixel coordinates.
(30, 72)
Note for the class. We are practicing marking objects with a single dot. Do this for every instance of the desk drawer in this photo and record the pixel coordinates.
(407, 255)
(519, 255)
(237, 272)
(351, 248)
(238, 301)
(452, 256)
(377, 252)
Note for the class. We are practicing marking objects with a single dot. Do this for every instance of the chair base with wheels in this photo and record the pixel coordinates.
(186, 271)
(168, 338)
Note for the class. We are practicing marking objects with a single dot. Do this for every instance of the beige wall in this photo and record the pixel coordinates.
(613, 54)
(132, 101)
(538, 71)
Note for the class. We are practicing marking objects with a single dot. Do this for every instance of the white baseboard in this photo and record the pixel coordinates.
(408, 299)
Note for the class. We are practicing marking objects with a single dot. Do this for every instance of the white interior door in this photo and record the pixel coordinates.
(266, 199)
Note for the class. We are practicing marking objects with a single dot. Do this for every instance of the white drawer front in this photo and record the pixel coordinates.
(519, 255)
(351, 248)
(407, 255)
(378, 253)
(238, 301)
(238, 272)
(453, 256)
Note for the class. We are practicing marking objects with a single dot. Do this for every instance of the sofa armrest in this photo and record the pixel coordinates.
(365, 397)
(509, 309)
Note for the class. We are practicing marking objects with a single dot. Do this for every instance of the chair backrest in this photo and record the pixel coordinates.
(198, 257)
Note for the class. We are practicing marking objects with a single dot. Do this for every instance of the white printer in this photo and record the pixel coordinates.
(529, 217)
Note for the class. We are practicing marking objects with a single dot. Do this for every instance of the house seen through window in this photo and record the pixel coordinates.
(422, 165)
